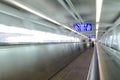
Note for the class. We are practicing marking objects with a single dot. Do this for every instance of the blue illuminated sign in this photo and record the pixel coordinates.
(91, 36)
(82, 27)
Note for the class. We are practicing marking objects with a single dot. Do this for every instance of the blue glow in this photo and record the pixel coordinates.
(82, 27)
(91, 36)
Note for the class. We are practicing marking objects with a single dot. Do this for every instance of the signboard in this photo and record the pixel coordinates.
(91, 36)
(82, 27)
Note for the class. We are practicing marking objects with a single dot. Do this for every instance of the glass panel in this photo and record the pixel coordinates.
(110, 38)
(106, 39)
(15, 35)
(115, 40)
(118, 36)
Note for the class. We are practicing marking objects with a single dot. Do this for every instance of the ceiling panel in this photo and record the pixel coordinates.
(75, 11)
(110, 13)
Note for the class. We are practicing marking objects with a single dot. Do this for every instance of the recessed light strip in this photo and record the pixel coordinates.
(98, 14)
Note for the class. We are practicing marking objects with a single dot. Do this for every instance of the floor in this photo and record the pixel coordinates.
(78, 69)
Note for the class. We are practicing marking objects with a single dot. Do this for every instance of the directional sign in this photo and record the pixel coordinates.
(82, 27)
(91, 36)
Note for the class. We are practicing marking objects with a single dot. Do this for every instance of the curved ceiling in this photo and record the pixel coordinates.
(68, 12)
(65, 12)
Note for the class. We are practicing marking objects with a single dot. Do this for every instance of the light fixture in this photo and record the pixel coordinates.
(98, 14)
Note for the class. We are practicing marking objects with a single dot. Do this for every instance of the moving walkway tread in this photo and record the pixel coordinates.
(77, 69)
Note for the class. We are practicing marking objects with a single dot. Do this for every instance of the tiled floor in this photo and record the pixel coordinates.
(78, 69)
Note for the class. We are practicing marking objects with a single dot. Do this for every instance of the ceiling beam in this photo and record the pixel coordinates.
(117, 22)
(75, 11)
(67, 4)
(105, 24)
(101, 30)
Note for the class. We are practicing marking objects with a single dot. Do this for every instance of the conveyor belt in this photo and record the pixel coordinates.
(78, 69)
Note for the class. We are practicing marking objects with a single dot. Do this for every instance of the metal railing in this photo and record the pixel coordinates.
(93, 73)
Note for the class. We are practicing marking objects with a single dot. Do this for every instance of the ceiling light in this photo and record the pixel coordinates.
(97, 26)
(98, 13)
(98, 9)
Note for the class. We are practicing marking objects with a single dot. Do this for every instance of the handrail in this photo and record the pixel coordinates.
(93, 73)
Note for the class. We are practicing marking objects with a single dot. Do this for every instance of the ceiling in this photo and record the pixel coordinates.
(59, 10)
(68, 12)
(109, 15)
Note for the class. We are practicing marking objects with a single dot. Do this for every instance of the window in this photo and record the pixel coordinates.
(116, 39)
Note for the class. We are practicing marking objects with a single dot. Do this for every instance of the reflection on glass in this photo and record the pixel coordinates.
(15, 35)
(118, 36)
